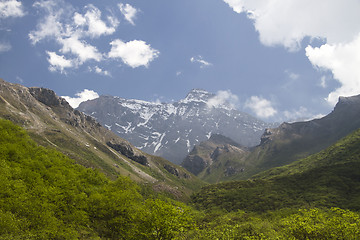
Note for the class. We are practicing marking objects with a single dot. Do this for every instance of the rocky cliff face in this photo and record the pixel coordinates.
(171, 130)
(344, 119)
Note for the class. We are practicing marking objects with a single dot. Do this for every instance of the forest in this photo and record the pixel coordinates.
(46, 195)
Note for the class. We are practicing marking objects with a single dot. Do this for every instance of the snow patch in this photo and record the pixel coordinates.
(158, 145)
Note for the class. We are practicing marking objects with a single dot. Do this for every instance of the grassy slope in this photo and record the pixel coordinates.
(49, 127)
(45, 195)
(329, 178)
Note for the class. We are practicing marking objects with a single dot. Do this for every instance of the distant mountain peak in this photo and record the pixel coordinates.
(171, 130)
(197, 95)
(348, 100)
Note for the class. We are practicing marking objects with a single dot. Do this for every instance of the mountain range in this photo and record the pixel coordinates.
(279, 146)
(171, 130)
(52, 122)
(47, 194)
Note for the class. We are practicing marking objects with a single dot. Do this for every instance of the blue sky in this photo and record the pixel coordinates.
(278, 60)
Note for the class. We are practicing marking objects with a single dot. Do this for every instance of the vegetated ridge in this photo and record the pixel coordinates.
(330, 178)
(285, 144)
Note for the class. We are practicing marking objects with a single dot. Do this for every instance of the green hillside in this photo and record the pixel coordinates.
(330, 178)
(46, 195)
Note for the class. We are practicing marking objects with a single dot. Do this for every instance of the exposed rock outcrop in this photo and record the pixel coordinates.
(128, 151)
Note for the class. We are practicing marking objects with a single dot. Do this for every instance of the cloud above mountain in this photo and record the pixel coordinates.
(261, 107)
(78, 35)
(333, 22)
(224, 98)
(134, 53)
(80, 97)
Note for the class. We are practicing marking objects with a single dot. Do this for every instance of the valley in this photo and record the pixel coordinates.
(299, 181)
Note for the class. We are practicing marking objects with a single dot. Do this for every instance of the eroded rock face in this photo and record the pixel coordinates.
(195, 164)
(172, 170)
(128, 151)
(48, 97)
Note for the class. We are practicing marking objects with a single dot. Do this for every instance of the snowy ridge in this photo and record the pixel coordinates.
(171, 130)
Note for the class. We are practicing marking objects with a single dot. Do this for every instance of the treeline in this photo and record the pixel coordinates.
(46, 195)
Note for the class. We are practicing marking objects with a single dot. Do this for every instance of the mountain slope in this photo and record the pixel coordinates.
(45, 195)
(171, 130)
(330, 178)
(216, 159)
(51, 121)
(292, 141)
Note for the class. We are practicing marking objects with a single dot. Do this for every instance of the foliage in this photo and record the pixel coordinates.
(335, 223)
(45, 195)
(330, 178)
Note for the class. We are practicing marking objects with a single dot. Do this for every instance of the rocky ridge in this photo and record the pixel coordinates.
(280, 146)
(171, 130)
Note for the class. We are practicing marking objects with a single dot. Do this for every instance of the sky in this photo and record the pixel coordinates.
(278, 60)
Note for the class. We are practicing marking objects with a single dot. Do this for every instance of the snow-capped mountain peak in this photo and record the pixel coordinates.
(171, 130)
(197, 95)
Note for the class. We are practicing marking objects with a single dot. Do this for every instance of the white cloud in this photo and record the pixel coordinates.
(302, 114)
(91, 23)
(5, 47)
(236, 5)
(199, 59)
(51, 25)
(223, 99)
(261, 107)
(100, 71)
(129, 12)
(336, 22)
(134, 53)
(80, 48)
(58, 63)
(293, 76)
(283, 22)
(343, 60)
(323, 82)
(81, 97)
(70, 29)
(11, 8)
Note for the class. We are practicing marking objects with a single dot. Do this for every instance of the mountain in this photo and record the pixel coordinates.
(292, 141)
(330, 178)
(216, 159)
(171, 130)
(288, 142)
(52, 122)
